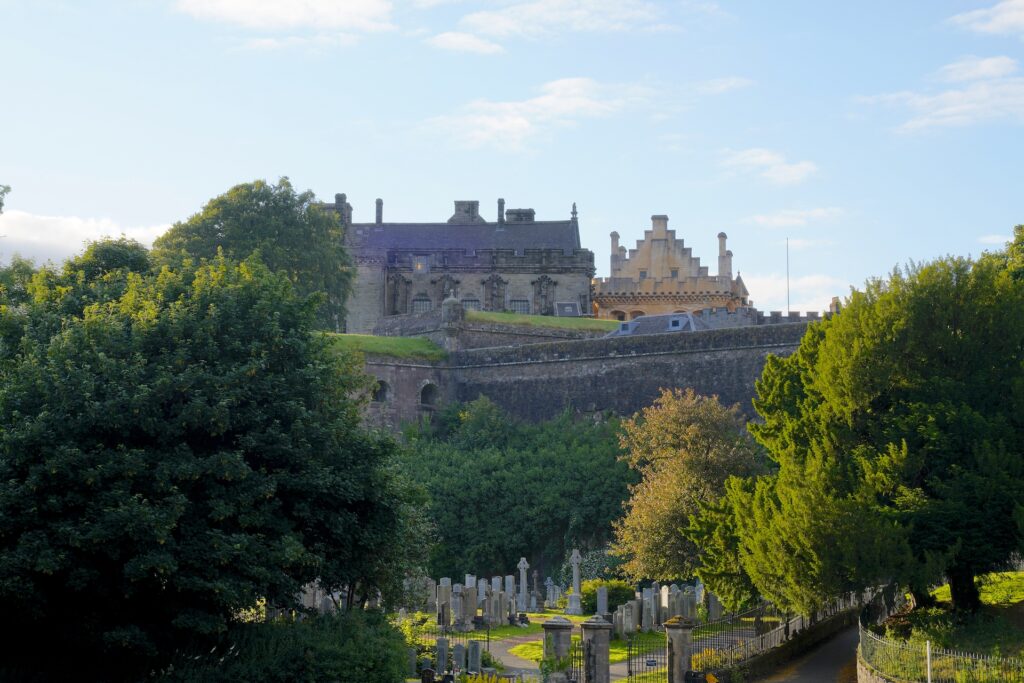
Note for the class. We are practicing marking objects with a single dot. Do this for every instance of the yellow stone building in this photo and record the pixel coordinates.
(661, 275)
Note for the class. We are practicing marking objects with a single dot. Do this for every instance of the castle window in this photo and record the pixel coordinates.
(519, 306)
(675, 273)
(428, 395)
(643, 274)
(421, 304)
(618, 315)
(421, 264)
(381, 391)
(471, 304)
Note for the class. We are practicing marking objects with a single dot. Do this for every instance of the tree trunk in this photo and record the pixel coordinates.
(962, 589)
(921, 598)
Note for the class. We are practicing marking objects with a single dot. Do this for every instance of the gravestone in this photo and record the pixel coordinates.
(575, 606)
(549, 593)
(459, 657)
(522, 567)
(481, 590)
(442, 655)
(715, 609)
(496, 584)
(602, 600)
(430, 586)
(475, 657)
(510, 584)
(648, 618)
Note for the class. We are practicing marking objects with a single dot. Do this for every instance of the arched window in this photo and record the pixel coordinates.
(428, 395)
(636, 314)
(381, 392)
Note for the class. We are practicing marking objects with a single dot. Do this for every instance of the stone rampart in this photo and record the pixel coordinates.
(621, 374)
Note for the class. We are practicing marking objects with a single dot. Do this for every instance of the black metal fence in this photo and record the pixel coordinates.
(574, 673)
(646, 658)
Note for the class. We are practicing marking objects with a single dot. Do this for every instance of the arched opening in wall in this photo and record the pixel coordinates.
(381, 392)
(428, 396)
(636, 314)
(618, 315)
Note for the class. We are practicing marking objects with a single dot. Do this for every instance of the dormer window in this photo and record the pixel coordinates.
(421, 264)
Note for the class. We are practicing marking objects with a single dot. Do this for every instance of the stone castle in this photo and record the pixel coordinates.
(661, 275)
(680, 325)
(515, 263)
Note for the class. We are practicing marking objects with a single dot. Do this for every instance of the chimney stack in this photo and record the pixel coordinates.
(724, 257)
(501, 211)
(380, 210)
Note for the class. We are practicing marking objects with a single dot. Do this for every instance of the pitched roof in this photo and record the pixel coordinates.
(562, 235)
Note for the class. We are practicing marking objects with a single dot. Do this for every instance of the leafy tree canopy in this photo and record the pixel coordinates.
(286, 227)
(500, 490)
(4, 190)
(174, 446)
(897, 429)
(684, 447)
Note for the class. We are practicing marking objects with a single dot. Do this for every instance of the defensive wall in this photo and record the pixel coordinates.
(619, 374)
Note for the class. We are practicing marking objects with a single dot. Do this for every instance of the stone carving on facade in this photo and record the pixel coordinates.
(494, 293)
(398, 294)
(446, 286)
(544, 295)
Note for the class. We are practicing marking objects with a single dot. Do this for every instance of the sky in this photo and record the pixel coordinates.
(868, 134)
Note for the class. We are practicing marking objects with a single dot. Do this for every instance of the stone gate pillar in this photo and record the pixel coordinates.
(596, 644)
(557, 637)
(679, 642)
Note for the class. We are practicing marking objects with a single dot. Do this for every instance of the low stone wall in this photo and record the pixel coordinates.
(865, 674)
(800, 643)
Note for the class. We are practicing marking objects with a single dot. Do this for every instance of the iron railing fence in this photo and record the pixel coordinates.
(735, 638)
(904, 662)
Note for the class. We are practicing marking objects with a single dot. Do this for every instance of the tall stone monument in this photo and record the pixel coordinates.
(522, 567)
(575, 606)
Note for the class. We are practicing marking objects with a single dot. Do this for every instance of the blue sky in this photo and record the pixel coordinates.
(868, 133)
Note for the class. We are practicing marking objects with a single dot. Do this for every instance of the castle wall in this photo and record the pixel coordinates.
(621, 374)
(366, 298)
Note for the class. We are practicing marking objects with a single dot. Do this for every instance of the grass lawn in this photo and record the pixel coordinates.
(397, 347)
(542, 321)
(996, 629)
(618, 650)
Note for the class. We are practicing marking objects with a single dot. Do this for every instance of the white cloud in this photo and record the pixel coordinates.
(990, 100)
(717, 86)
(794, 217)
(290, 15)
(55, 238)
(1006, 17)
(509, 125)
(812, 292)
(536, 18)
(319, 40)
(977, 68)
(769, 164)
(464, 42)
(997, 240)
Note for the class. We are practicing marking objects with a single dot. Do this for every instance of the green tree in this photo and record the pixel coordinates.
(174, 451)
(897, 431)
(16, 280)
(4, 190)
(684, 447)
(500, 490)
(286, 227)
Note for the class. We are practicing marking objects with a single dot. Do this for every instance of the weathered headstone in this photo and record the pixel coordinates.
(510, 584)
(648, 618)
(689, 604)
(457, 608)
(475, 657)
(496, 584)
(442, 654)
(575, 606)
(522, 567)
(602, 600)
(459, 657)
(715, 609)
(549, 593)
(481, 590)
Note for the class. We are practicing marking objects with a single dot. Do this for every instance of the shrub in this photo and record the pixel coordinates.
(356, 647)
(619, 592)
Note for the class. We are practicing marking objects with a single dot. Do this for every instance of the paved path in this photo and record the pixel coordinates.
(513, 664)
(834, 661)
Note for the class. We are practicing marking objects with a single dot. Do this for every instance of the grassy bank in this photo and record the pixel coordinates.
(419, 348)
(549, 321)
(997, 629)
